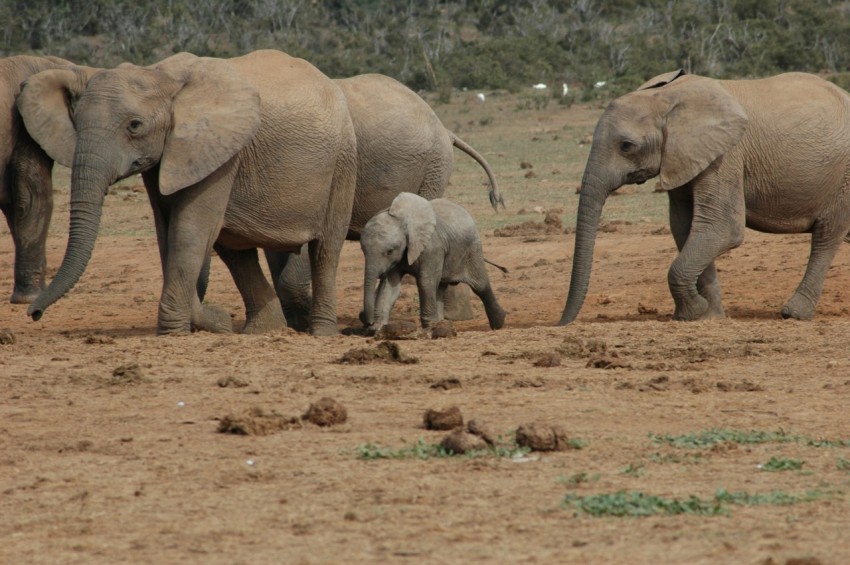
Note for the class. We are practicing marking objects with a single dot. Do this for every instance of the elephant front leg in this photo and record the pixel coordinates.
(28, 213)
(186, 227)
(708, 285)
(429, 310)
(263, 313)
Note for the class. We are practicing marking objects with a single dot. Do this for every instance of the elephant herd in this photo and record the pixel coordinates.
(265, 151)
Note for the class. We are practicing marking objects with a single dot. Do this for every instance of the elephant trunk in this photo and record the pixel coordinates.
(369, 295)
(594, 192)
(89, 183)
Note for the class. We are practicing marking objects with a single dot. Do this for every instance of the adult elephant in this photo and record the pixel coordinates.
(402, 146)
(254, 151)
(770, 154)
(26, 189)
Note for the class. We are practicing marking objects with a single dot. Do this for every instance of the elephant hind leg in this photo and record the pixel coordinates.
(495, 313)
(825, 243)
(291, 276)
(480, 285)
(262, 307)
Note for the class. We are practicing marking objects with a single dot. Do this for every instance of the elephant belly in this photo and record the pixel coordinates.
(279, 237)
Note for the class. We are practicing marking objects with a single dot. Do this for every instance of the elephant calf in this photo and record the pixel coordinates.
(435, 241)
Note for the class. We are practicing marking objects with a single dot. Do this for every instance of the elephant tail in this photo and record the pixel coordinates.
(495, 195)
(501, 268)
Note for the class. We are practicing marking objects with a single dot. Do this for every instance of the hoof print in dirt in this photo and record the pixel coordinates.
(542, 437)
(232, 381)
(98, 339)
(130, 373)
(7, 337)
(443, 329)
(447, 419)
(551, 359)
(398, 329)
(386, 352)
(461, 441)
(257, 422)
(607, 362)
(326, 412)
(447, 384)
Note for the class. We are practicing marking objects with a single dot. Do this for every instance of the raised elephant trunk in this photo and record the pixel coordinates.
(592, 197)
(88, 188)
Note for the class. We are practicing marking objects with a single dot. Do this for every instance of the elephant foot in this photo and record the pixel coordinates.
(497, 319)
(297, 318)
(695, 309)
(24, 295)
(798, 308)
(324, 330)
(213, 319)
(269, 319)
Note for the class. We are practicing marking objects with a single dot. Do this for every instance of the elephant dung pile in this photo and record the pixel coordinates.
(386, 351)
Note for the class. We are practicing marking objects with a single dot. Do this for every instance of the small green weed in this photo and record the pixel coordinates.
(781, 464)
(775, 498)
(639, 504)
(423, 450)
(418, 450)
(633, 470)
(842, 464)
(578, 478)
(714, 436)
(576, 443)
(675, 458)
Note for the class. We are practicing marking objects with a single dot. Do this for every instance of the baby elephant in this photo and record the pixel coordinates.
(437, 242)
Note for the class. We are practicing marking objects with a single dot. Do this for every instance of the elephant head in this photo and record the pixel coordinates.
(186, 115)
(406, 226)
(673, 127)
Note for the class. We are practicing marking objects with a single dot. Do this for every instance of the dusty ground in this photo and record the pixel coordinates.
(109, 449)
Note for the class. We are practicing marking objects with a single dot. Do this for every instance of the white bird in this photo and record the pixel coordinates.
(481, 97)
(566, 90)
(599, 84)
(539, 86)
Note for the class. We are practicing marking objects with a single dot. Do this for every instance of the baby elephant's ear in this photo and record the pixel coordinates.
(418, 222)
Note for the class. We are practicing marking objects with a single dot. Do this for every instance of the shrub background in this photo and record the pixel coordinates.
(439, 45)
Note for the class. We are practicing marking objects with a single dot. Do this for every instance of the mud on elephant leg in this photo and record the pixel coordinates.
(456, 304)
(262, 307)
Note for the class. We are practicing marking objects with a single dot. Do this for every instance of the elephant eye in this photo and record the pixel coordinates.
(388, 252)
(135, 125)
(626, 146)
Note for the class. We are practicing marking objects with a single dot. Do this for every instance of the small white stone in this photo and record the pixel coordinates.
(181, 404)
(249, 462)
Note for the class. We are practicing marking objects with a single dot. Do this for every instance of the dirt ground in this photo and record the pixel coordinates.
(110, 450)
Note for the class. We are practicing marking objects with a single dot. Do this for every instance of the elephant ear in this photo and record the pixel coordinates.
(702, 123)
(418, 221)
(662, 80)
(46, 104)
(215, 114)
